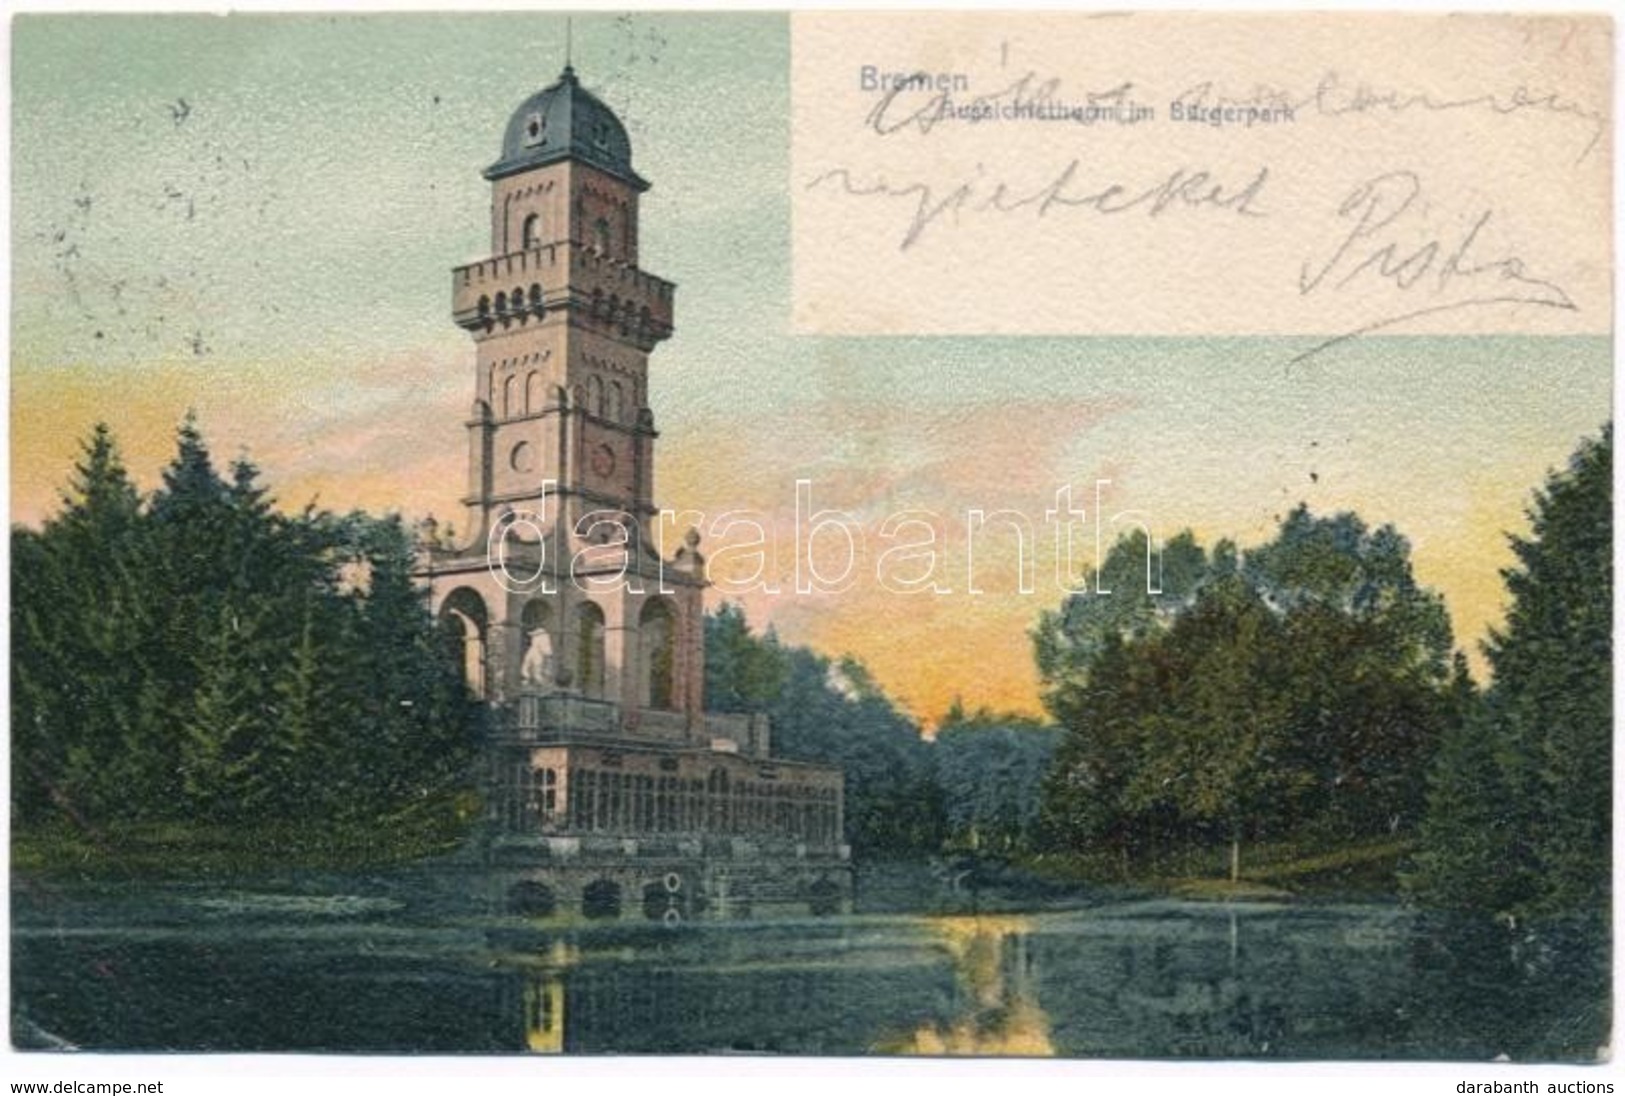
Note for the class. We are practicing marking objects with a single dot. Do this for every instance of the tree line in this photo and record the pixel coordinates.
(1297, 690)
(1305, 692)
(974, 786)
(195, 656)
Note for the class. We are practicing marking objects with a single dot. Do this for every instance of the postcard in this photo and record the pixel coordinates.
(828, 534)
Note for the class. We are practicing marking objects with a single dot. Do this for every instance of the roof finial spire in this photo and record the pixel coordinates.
(569, 35)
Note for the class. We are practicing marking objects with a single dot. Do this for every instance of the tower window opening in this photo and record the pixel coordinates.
(530, 235)
(589, 673)
(525, 805)
(534, 127)
(656, 651)
(502, 303)
(600, 230)
(536, 298)
(549, 794)
(485, 306)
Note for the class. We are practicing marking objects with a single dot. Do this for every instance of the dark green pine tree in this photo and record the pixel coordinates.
(265, 555)
(1554, 676)
(1471, 854)
(192, 495)
(408, 733)
(1519, 808)
(298, 749)
(81, 615)
(189, 523)
(742, 673)
(226, 729)
(236, 576)
(38, 730)
(101, 503)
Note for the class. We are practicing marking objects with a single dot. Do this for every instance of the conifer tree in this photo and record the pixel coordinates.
(202, 657)
(224, 729)
(1520, 812)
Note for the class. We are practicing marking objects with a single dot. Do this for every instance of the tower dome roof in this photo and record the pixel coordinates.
(565, 121)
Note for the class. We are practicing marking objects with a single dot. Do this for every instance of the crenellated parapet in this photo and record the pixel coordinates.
(524, 287)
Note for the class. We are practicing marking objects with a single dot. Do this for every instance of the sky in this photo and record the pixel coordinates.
(256, 217)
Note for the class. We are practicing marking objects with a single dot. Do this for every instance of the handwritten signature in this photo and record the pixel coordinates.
(1335, 96)
(1381, 211)
(1183, 188)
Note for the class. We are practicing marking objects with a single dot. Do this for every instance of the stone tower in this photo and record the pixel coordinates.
(557, 586)
(610, 790)
(563, 320)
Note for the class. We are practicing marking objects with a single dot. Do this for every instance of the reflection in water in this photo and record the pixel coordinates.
(1483, 988)
(155, 970)
(995, 970)
(542, 999)
(544, 1013)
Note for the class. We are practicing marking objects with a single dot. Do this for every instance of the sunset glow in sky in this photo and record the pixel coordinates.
(257, 216)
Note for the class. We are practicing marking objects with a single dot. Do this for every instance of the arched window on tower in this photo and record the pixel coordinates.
(536, 298)
(533, 393)
(531, 234)
(502, 304)
(595, 389)
(589, 660)
(600, 235)
(463, 622)
(510, 397)
(657, 633)
(617, 401)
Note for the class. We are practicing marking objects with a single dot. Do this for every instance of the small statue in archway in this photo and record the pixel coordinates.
(537, 669)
